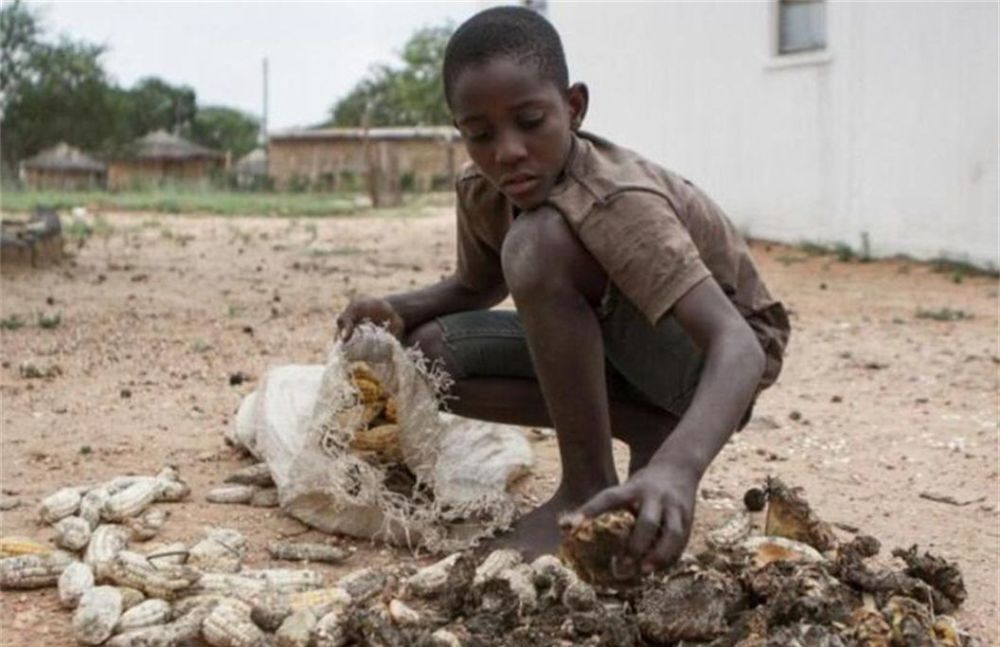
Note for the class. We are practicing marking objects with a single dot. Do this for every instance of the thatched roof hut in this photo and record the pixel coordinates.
(161, 157)
(62, 167)
(251, 169)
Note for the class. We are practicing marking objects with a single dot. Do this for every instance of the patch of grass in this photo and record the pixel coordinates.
(943, 314)
(788, 259)
(48, 322)
(844, 253)
(182, 200)
(813, 249)
(959, 270)
(12, 322)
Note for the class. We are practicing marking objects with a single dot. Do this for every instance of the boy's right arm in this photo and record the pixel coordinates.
(404, 312)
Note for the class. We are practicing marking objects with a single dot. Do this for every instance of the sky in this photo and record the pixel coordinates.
(316, 51)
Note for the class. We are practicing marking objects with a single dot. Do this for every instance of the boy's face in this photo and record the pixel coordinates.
(517, 126)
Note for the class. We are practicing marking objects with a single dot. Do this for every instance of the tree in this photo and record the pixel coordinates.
(155, 104)
(409, 95)
(225, 129)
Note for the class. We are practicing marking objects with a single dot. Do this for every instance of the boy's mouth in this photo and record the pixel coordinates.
(519, 184)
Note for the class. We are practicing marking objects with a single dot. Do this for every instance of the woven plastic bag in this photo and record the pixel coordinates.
(303, 417)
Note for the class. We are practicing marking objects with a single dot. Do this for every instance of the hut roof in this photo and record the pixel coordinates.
(63, 157)
(403, 133)
(253, 163)
(160, 145)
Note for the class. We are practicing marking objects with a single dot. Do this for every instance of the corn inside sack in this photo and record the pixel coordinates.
(363, 450)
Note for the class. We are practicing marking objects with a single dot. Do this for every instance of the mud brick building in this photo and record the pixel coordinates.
(63, 167)
(423, 158)
(161, 158)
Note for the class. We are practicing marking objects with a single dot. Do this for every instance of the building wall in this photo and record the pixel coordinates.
(337, 163)
(891, 135)
(67, 180)
(123, 175)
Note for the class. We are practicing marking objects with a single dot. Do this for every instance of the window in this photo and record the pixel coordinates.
(801, 26)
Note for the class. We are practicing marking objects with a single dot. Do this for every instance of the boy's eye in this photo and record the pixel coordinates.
(530, 121)
(479, 136)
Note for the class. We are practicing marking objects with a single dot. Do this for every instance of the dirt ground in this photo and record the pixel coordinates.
(876, 410)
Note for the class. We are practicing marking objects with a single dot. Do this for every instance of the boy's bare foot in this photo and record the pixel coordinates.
(537, 533)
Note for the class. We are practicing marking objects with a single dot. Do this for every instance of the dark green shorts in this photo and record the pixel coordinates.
(658, 365)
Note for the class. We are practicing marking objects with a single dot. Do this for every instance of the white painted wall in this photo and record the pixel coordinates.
(893, 132)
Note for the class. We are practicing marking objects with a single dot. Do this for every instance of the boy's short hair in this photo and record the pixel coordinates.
(512, 32)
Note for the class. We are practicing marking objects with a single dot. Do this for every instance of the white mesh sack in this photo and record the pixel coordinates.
(302, 419)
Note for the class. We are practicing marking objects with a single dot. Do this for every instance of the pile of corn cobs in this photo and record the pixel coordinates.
(795, 585)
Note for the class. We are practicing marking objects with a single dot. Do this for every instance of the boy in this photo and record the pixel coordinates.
(640, 314)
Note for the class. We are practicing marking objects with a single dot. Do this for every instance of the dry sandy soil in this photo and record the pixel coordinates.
(876, 409)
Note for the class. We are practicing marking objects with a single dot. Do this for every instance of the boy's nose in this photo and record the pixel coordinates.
(510, 149)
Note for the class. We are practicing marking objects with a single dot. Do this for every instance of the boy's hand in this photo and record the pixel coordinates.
(662, 499)
(377, 311)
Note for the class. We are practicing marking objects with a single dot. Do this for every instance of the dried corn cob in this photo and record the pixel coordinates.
(95, 618)
(191, 603)
(168, 473)
(119, 483)
(131, 501)
(402, 614)
(14, 546)
(147, 525)
(228, 584)
(383, 441)
(265, 498)
(296, 629)
(391, 411)
(75, 580)
(259, 474)
(271, 609)
(731, 532)
(307, 552)
(173, 491)
(166, 582)
(106, 541)
(173, 553)
(363, 583)
(495, 562)
(144, 614)
(229, 625)
(223, 550)
(72, 533)
(33, 571)
(92, 504)
(432, 580)
(368, 390)
(443, 638)
(232, 494)
(331, 630)
(287, 580)
(131, 597)
(60, 504)
(182, 631)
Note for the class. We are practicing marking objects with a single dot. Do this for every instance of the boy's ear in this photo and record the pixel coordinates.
(578, 97)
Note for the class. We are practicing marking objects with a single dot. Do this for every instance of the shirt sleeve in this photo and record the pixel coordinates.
(478, 263)
(646, 250)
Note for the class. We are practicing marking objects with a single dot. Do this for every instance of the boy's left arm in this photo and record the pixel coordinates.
(663, 493)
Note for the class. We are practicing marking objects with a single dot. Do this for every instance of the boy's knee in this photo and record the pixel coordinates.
(542, 257)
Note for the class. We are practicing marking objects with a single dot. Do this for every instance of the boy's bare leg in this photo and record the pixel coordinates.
(557, 287)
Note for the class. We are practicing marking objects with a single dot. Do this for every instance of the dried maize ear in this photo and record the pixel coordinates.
(363, 584)
(259, 474)
(496, 562)
(131, 597)
(60, 504)
(306, 552)
(96, 616)
(92, 504)
(296, 629)
(368, 390)
(432, 580)
(147, 525)
(173, 553)
(230, 585)
(119, 483)
(182, 631)
(131, 501)
(229, 625)
(443, 638)
(286, 580)
(144, 614)
(789, 515)
(173, 491)
(222, 550)
(106, 541)
(75, 580)
(165, 582)
(33, 571)
(331, 630)
(191, 603)
(402, 614)
(265, 498)
(232, 494)
(168, 473)
(271, 609)
(14, 546)
(363, 371)
(391, 410)
(383, 441)
(597, 548)
(72, 533)
(731, 532)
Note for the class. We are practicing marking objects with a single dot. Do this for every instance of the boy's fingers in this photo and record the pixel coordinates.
(610, 499)
(647, 526)
(346, 329)
(672, 541)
